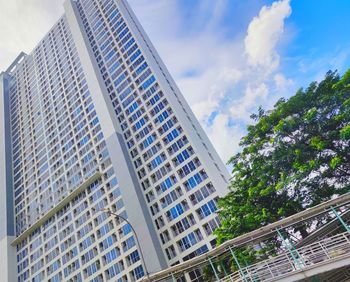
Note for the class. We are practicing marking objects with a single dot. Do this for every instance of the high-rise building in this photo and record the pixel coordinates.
(92, 120)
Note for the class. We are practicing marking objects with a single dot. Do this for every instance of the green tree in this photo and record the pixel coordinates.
(294, 157)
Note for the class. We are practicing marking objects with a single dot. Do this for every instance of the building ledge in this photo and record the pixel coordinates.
(56, 208)
(18, 60)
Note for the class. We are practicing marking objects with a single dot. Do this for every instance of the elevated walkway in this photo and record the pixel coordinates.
(324, 255)
(316, 258)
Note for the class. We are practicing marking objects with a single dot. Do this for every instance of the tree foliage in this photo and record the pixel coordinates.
(294, 157)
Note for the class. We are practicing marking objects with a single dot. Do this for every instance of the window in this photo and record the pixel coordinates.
(175, 212)
(138, 272)
(134, 257)
(207, 209)
(110, 256)
(93, 268)
(147, 83)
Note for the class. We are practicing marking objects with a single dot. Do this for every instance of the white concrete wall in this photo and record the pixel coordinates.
(8, 266)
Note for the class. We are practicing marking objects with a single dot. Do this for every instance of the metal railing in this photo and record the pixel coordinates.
(328, 249)
(330, 208)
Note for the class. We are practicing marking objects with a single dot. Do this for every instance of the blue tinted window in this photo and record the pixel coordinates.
(148, 82)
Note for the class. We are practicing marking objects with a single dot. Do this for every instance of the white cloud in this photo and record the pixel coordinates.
(261, 87)
(224, 136)
(207, 90)
(23, 24)
(281, 82)
(264, 32)
(243, 108)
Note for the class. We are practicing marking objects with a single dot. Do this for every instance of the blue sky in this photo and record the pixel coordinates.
(227, 56)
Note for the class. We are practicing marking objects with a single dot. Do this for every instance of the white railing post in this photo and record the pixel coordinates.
(324, 250)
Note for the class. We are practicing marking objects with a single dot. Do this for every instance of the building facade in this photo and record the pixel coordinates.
(94, 121)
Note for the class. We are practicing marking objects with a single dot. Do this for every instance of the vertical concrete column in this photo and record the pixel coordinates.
(7, 233)
(136, 208)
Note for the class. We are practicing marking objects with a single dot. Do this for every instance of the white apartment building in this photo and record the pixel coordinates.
(92, 120)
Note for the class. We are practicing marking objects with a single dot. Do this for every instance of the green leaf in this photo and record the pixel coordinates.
(311, 114)
(335, 162)
(345, 132)
(317, 143)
